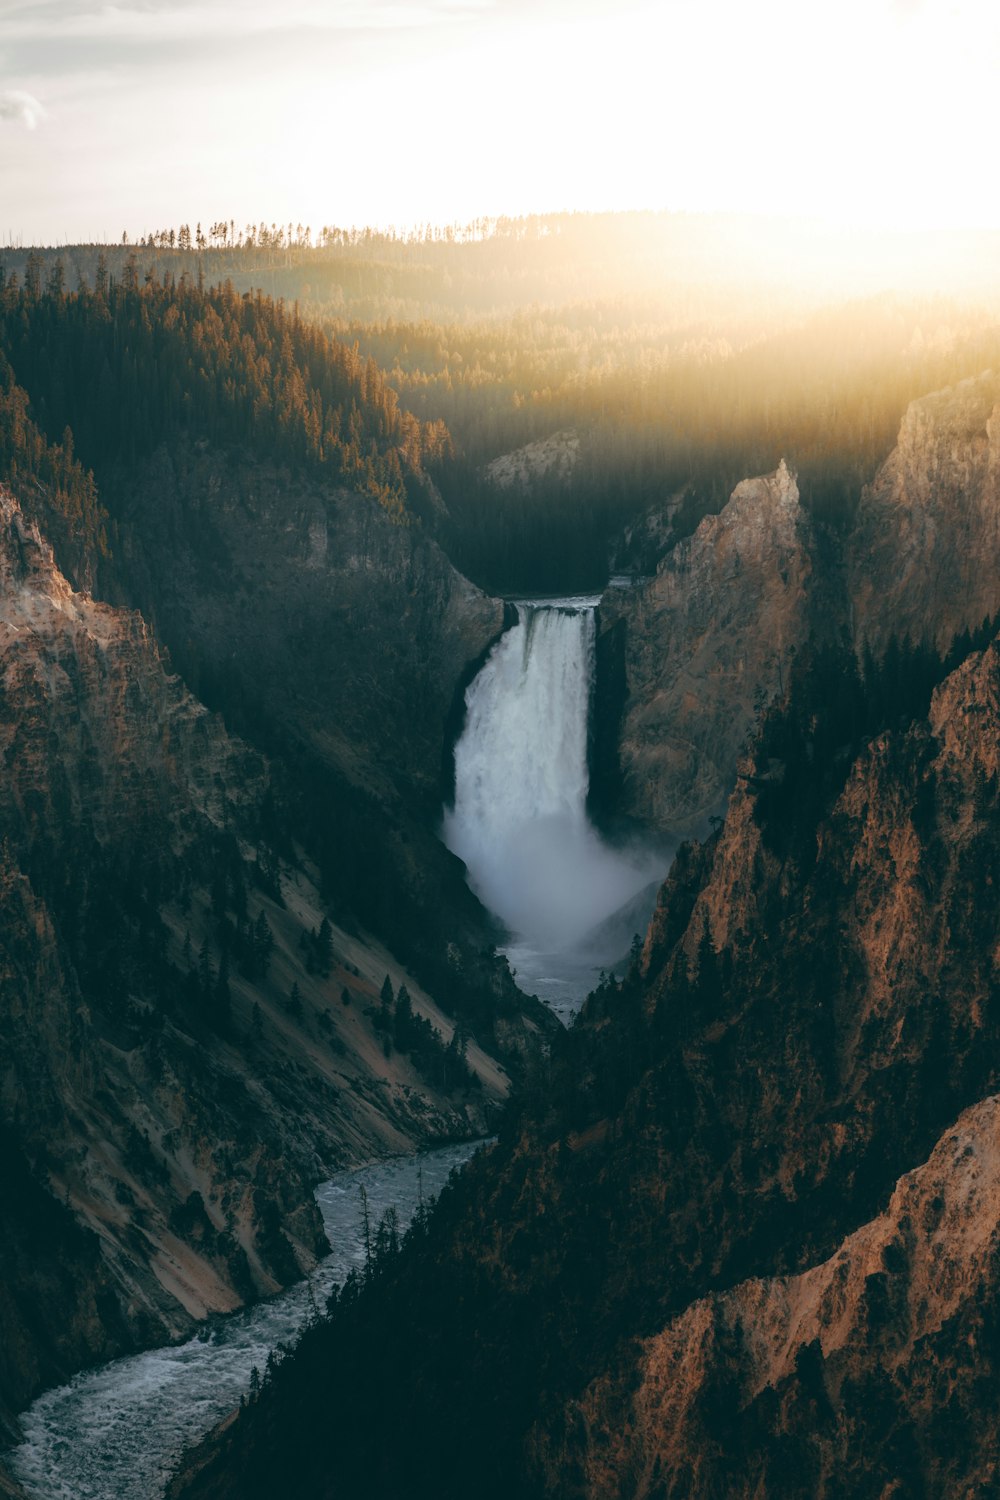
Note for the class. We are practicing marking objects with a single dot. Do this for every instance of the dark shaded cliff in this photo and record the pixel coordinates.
(189, 1044)
(332, 637)
(262, 502)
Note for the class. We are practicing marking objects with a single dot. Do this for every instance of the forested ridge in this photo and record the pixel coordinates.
(150, 429)
(117, 370)
(680, 366)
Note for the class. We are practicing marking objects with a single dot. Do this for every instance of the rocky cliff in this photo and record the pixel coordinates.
(734, 1241)
(922, 557)
(689, 657)
(867, 1374)
(188, 1044)
(339, 639)
(701, 646)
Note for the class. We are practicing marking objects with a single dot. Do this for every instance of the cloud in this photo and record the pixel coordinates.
(20, 109)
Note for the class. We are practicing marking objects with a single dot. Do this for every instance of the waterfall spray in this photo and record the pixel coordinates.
(520, 816)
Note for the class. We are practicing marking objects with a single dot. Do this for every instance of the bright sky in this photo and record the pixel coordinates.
(147, 113)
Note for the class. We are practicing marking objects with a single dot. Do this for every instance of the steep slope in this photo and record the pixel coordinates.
(864, 1375)
(691, 654)
(818, 1003)
(188, 1044)
(689, 658)
(339, 641)
(922, 557)
(263, 495)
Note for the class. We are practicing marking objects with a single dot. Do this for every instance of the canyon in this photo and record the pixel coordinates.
(168, 1108)
(692, 656)
(732, 1211)
(739, 1234)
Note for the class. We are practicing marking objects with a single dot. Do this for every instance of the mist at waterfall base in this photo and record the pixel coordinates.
(570, 901)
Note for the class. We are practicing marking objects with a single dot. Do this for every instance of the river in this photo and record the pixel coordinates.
(118, 1432)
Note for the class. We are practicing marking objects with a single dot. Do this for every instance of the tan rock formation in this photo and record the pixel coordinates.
(923, 556)
(554, 457)
(900, 1304)
(706, 642)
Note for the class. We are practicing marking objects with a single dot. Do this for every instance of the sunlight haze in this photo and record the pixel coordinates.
(123, 116)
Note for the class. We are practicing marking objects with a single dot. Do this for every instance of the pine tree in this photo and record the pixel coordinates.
(388, 1000)
(206, 974)
(263, 943)
(223, 998)
(403, 1019)
(324, 947)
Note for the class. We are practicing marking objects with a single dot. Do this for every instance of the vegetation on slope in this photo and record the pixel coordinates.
(128, 367)
(805, 1022)
(680, 375)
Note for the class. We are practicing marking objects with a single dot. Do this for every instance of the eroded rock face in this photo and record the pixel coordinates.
(95, 730)
(922, 560)
(847, 1378)
(769, 1109)
(689, 657)
(706, 642)
(551, 458)
(873, 1009)
(172, 1087)
(336, 640)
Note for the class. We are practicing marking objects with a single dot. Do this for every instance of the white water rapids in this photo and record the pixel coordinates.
(118, 1432)
(519, 822)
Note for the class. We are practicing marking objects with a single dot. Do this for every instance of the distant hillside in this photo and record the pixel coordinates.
(686, 351)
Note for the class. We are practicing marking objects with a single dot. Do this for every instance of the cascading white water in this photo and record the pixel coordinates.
(519, 819)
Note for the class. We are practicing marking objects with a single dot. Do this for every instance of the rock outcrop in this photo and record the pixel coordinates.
(547, 460)
(922, 559)
(182, 1055)
(703, 645)
(689, 657)
(849, 1378)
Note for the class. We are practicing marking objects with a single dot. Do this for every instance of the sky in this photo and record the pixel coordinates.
(144, 114)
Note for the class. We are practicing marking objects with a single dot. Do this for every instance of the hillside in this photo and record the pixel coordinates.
(189, 1043)
(199, 1022)
(814, 1010)
(251, 486)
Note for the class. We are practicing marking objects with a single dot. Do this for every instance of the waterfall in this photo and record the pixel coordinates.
(519, 819)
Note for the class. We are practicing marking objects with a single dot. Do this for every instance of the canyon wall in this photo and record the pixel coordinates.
(338, 639)
(690, 656)
(703, 644)
(184, 1053)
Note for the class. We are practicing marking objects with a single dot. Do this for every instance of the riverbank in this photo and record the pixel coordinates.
(118, 1432)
